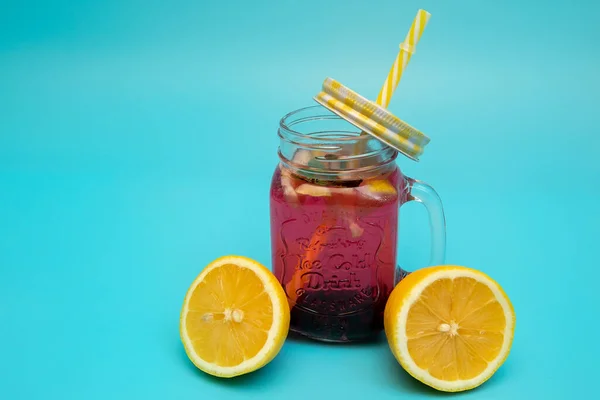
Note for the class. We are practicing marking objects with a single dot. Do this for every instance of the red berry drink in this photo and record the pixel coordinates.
(334, 250)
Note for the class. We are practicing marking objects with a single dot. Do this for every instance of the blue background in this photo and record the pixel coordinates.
(137, 141)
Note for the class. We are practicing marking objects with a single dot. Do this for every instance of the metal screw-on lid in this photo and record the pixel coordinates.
(372, 119)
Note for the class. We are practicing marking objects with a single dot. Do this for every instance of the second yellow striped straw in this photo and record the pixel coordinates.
(407, 48)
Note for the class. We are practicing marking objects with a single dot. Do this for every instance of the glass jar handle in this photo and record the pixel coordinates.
(423, 193)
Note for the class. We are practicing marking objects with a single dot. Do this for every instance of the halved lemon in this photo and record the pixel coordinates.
(235, 317)
(449, 327)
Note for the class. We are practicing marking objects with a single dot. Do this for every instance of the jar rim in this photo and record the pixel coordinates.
(286, 124)
(324, 143)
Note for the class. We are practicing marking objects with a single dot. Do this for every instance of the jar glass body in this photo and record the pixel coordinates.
(334, 205)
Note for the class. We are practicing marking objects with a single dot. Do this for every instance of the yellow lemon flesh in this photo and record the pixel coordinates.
(313, 190)
(377, 189)
(449, 327)
(235, 317)
(379, 186)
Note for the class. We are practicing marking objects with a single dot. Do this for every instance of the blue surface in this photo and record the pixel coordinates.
(137, 141)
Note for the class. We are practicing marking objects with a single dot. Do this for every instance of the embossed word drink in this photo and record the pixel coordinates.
(335, 199)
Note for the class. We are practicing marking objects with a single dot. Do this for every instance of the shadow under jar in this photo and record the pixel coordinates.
(334, 202)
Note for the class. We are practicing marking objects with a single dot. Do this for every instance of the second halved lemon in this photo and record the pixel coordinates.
(449, 327)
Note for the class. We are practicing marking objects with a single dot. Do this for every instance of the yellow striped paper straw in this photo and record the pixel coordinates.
(407, 48)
